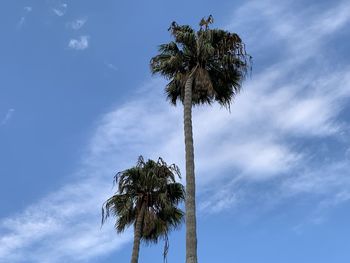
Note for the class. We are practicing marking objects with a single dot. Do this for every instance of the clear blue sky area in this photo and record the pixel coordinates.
(78, 104)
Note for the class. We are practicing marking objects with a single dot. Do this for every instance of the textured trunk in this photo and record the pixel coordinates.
(191, 235)
(137, 235)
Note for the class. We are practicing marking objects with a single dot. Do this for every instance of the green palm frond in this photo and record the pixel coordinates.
(218, 57)
(152, 183)
(184, 35)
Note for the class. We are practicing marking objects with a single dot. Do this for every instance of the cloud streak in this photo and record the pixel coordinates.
(60, 10)
(7, 117)
(294, 101)
(79, 44)
(22, 20)
(78, 23)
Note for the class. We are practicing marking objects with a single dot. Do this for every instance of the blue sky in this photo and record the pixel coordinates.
(78, 103)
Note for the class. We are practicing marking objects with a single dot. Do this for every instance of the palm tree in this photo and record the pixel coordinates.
(147, 197)
(202, 67)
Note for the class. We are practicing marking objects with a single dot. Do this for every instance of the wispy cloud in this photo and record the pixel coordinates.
(66, 224)
(7, 117)
(79, 44)
(112, 66)
(297, 99)
(301, 33)
(22, 20)
(28, 9)
(60, 10)
(78, 23)
(332, 177)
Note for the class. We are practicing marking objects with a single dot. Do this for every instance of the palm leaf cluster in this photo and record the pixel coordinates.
(215, 58)
(152, 185)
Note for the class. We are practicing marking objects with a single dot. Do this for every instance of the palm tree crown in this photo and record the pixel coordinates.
(147, 193)
(215, 58)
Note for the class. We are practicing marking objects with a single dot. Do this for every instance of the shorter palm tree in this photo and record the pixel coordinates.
(147, 197)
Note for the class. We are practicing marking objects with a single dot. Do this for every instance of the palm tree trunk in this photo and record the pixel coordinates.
(137, 235)
(190, 204)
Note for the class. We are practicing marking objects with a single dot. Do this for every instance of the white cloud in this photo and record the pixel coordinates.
(60, 10)
(329, 177)
(112, 66)
(22, 20)
(302, 33)
(66, 223)
(7, 117)
(291, 101)
(221, 200)
(329, 181)
(79, 44)
(78, 23)
(28, 9)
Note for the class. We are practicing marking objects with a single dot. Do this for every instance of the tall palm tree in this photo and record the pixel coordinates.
(147, 197)
(202, 67)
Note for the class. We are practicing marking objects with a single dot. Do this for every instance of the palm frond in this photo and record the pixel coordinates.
(151, 184)
(219, 58)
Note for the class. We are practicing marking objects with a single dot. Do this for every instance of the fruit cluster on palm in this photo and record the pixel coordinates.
(202, 67)
(147, 198)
